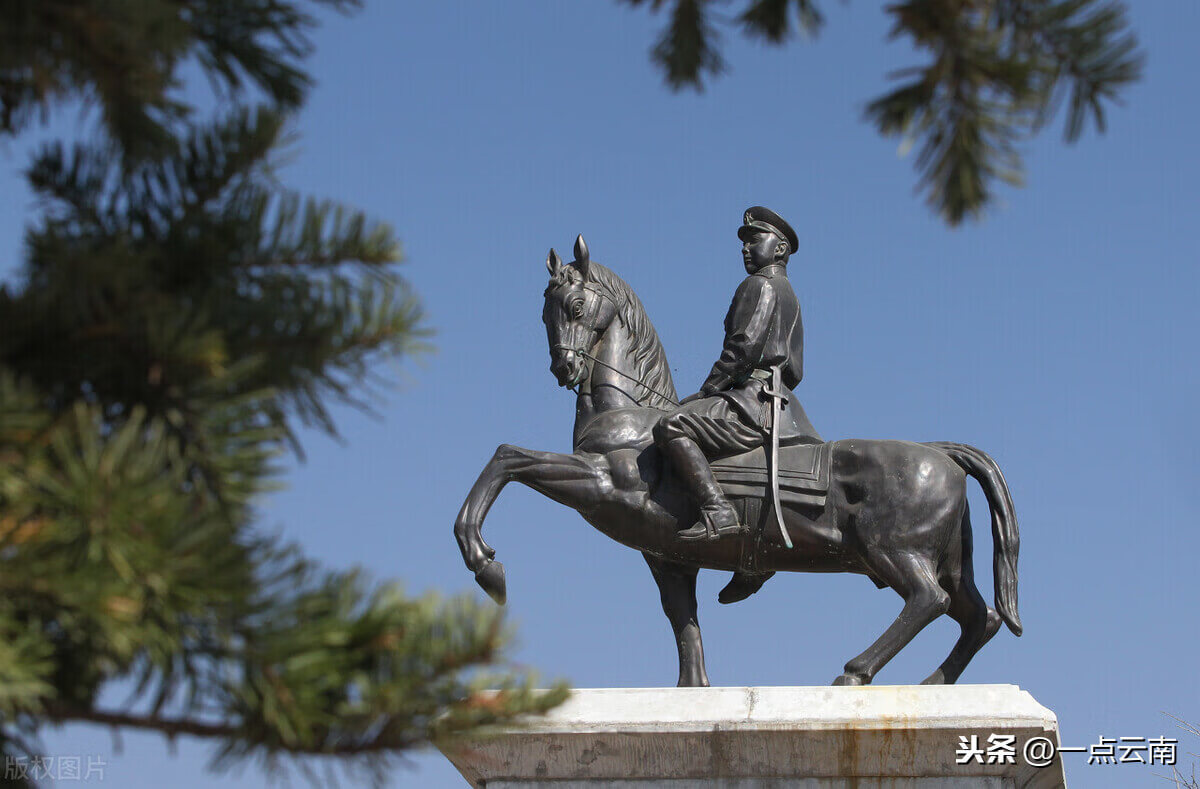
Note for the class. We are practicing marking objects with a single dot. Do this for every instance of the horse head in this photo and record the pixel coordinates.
(576, 314)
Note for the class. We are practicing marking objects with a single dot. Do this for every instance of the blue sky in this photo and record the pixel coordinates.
(1057, 334)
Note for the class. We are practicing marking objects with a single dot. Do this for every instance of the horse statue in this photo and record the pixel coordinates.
(895, 511)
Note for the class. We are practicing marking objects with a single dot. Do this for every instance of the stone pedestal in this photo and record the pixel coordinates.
(885, 737)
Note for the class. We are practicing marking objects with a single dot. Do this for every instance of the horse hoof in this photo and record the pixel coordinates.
(491, 579)
(848, 679)
(993, 625)
(936, 678)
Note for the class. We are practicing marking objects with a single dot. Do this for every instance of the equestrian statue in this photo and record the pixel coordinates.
(736, 478)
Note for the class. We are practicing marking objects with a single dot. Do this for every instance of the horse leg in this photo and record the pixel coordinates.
(568, 479)
(978, 622)
(967, 607)
(677, 589)
(924, 601)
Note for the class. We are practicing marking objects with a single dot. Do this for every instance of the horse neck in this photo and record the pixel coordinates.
(634, 361)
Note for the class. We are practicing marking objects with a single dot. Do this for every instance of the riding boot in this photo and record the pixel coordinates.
(717, 516)
(742, 585)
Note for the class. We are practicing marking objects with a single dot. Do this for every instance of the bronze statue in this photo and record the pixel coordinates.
(743, 397)
(895, 511)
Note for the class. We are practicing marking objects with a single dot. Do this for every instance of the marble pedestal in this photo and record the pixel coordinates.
(885, 737)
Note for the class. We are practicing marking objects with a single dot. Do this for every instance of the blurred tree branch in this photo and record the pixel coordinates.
(179, 316)
(123, 56)
(997, 71)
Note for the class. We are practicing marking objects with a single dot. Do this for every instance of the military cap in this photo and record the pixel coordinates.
(758, 219)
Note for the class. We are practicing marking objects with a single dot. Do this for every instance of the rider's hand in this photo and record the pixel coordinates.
(691, 397)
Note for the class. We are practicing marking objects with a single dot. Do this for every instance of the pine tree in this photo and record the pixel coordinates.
(123, 55)
(179, 316)
(997, 72)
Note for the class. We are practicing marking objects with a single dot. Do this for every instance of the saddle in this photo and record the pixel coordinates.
(803, 480)
(803, 474)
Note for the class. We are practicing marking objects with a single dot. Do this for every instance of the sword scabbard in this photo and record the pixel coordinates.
(777, 399)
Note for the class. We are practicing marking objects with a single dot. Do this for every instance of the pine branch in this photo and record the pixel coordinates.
(171, 727)
(687, 48)
(237, 309)
(208, 275)
(770, 20)
(180, 311)
(117, 563)
(124, 56)
(192, 727)
(996, 73)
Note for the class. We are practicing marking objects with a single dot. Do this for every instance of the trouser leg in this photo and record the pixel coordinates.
(694, 470)
(690, 435)
(717, 515)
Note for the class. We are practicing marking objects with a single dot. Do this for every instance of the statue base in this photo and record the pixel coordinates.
(882, 737)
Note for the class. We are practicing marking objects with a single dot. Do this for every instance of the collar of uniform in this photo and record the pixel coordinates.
(771, 270)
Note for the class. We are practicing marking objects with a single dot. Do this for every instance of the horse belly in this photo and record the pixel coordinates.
(818, 544)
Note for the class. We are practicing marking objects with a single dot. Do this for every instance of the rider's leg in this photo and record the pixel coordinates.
(742, 585)
(688, 437)
(717, 515)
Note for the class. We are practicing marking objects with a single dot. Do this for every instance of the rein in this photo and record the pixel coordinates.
(588, 319)
(638, 381)
(621, 373)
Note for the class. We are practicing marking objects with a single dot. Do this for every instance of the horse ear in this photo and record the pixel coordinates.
(582, 259)
(553, 262)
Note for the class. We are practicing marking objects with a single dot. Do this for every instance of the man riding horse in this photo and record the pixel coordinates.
(747, 396)
(893, 511)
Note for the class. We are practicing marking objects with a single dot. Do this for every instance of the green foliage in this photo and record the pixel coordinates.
(175, 318)
(997, 72)
(209, 278)
(687, 47)
(179, 316)
(123, 55)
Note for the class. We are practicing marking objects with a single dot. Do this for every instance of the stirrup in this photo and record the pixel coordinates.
(714, 523)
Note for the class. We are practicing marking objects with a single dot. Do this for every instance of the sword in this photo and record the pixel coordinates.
(778, 400)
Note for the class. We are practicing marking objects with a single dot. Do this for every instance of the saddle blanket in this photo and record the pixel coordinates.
(803, 474)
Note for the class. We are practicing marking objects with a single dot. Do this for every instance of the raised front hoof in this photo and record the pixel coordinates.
(993, 625)
(936, 678)
(848, 679)
(491, 579)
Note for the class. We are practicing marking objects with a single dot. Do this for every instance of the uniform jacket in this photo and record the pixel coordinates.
(763, 330)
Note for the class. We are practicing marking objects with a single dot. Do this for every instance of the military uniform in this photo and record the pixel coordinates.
(763, 330)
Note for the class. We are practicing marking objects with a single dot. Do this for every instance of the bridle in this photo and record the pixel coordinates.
(587, 320)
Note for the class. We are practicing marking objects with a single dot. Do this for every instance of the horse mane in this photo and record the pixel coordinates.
(647, 356)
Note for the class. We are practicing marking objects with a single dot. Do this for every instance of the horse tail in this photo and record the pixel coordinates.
(1006, 541)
